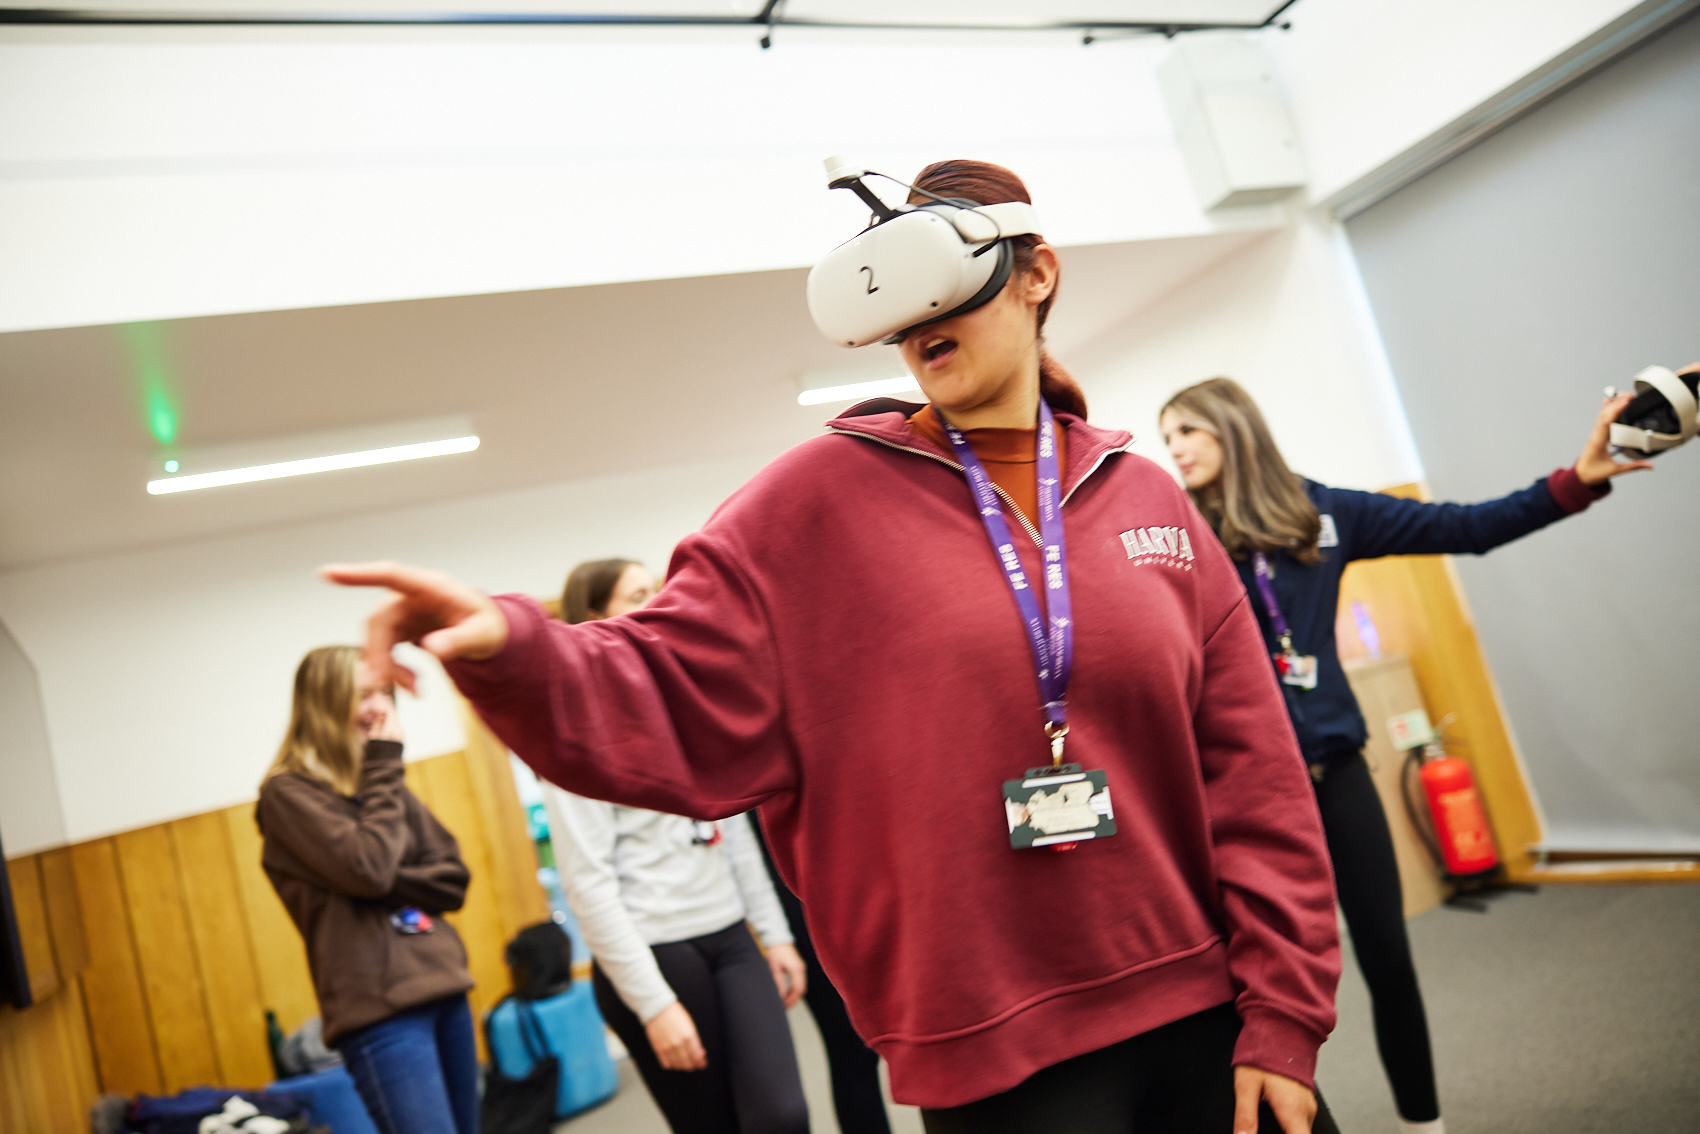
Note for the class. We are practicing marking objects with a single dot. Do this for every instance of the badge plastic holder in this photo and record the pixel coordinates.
(1055, 806)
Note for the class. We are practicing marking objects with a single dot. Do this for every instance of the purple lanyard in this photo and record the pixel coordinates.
(1266, 588)
(1053, 647)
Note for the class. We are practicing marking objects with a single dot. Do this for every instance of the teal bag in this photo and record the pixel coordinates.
(575, 1035)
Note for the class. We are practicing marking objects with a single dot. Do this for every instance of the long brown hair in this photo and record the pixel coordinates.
(988, 184)
(1256, 503)
(320, 742)
(590, 586)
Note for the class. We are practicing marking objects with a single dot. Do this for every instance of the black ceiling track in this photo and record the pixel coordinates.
(771, 16)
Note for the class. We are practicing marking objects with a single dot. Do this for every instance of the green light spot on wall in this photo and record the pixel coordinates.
(171, 466)
(155, 385)
(161, 419)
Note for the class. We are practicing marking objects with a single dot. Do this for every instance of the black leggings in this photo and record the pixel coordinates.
(1367, 876)
(751, 1084)
(1176, 1079)
(856, 1097)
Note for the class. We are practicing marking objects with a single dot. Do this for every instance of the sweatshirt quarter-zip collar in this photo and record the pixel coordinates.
(886, 421)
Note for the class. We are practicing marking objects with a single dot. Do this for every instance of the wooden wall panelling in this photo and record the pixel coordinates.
(280, 958)
(23, 1090)
(112, 983)
(213, 902)
(46, 1047)
(14, 1115)
(171, 972)
(64, 913)
(513, 859)
(34, 935)
(1419, 610)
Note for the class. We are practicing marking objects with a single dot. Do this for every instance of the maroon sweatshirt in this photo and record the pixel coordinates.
(838, 646)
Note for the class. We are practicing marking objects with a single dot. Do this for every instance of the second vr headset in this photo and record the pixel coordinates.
(914, 265)
(1661, 416)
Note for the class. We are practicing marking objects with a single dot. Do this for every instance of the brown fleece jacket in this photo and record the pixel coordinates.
(342, 865)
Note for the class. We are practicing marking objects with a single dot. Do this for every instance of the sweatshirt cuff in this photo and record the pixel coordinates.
(1569, 493)
(492, 676)
(1277, 1044)
(380, 763)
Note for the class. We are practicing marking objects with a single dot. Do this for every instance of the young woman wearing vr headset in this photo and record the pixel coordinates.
(919, 765)
(1291, 539)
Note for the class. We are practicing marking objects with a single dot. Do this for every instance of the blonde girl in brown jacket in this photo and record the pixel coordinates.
(366, 873)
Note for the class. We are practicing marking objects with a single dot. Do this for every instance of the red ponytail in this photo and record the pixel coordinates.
(988, 184)
(1059, 389)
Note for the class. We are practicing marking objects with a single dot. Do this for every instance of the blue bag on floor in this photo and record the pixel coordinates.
(331, 1099)
(573, 1029)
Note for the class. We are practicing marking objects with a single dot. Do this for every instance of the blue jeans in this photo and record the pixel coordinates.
(417, 1072)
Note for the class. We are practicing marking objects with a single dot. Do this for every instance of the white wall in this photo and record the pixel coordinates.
(1367, 81)
(165, 673)
(159, 173)
(31, 814)
(164, 175)
(1286, 318)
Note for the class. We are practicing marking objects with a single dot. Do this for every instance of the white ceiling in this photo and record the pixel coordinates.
(561, 385)
(947, 13)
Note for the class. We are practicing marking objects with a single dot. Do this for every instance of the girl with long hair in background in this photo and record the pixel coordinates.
(1290, 539)
(662, 901)
(366, 873)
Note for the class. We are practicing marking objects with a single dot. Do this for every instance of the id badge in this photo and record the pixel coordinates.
(1299, 671)
(1050, 806)
(410, 920)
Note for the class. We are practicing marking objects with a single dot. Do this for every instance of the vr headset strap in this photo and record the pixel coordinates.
(1682, 400)
(985, 223)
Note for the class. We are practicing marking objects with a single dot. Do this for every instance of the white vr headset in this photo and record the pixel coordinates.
(913, 265)
(1661, 416)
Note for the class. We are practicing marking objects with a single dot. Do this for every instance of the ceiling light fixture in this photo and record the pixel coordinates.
(279, 469)
(849, 392)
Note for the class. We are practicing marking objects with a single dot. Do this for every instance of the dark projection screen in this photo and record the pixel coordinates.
(1510, 285)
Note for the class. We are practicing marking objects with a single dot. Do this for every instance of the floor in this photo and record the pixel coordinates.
(1575, 1010)
(632, 1112)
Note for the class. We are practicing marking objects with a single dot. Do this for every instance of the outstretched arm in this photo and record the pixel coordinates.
(1373, 524)
(677, 707)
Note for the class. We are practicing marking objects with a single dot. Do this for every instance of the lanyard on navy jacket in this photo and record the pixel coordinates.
(1261, 571)
(1051, 639)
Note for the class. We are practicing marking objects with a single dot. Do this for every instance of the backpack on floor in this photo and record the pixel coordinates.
(522, 1103)
(572, 1034)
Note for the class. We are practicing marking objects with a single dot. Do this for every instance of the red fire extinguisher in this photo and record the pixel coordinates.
(1462, 837)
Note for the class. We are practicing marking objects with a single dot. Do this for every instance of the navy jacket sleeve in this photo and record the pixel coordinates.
(1372, 524)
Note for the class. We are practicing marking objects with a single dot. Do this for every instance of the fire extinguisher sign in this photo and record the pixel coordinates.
(1410, 730)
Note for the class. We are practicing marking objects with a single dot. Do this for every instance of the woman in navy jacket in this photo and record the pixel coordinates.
(1306, 533)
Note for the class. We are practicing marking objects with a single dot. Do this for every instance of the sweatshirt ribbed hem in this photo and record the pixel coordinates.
(930, 1072)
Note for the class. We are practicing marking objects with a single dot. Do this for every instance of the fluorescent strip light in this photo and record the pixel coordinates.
(313, 465)
(857, 390)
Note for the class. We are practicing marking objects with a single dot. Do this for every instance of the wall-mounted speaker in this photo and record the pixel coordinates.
(1230, 121)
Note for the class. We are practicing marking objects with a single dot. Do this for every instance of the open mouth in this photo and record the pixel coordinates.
(937, 348)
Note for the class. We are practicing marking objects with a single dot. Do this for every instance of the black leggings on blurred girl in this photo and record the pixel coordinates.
(1367, 877)
(751, 1085)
